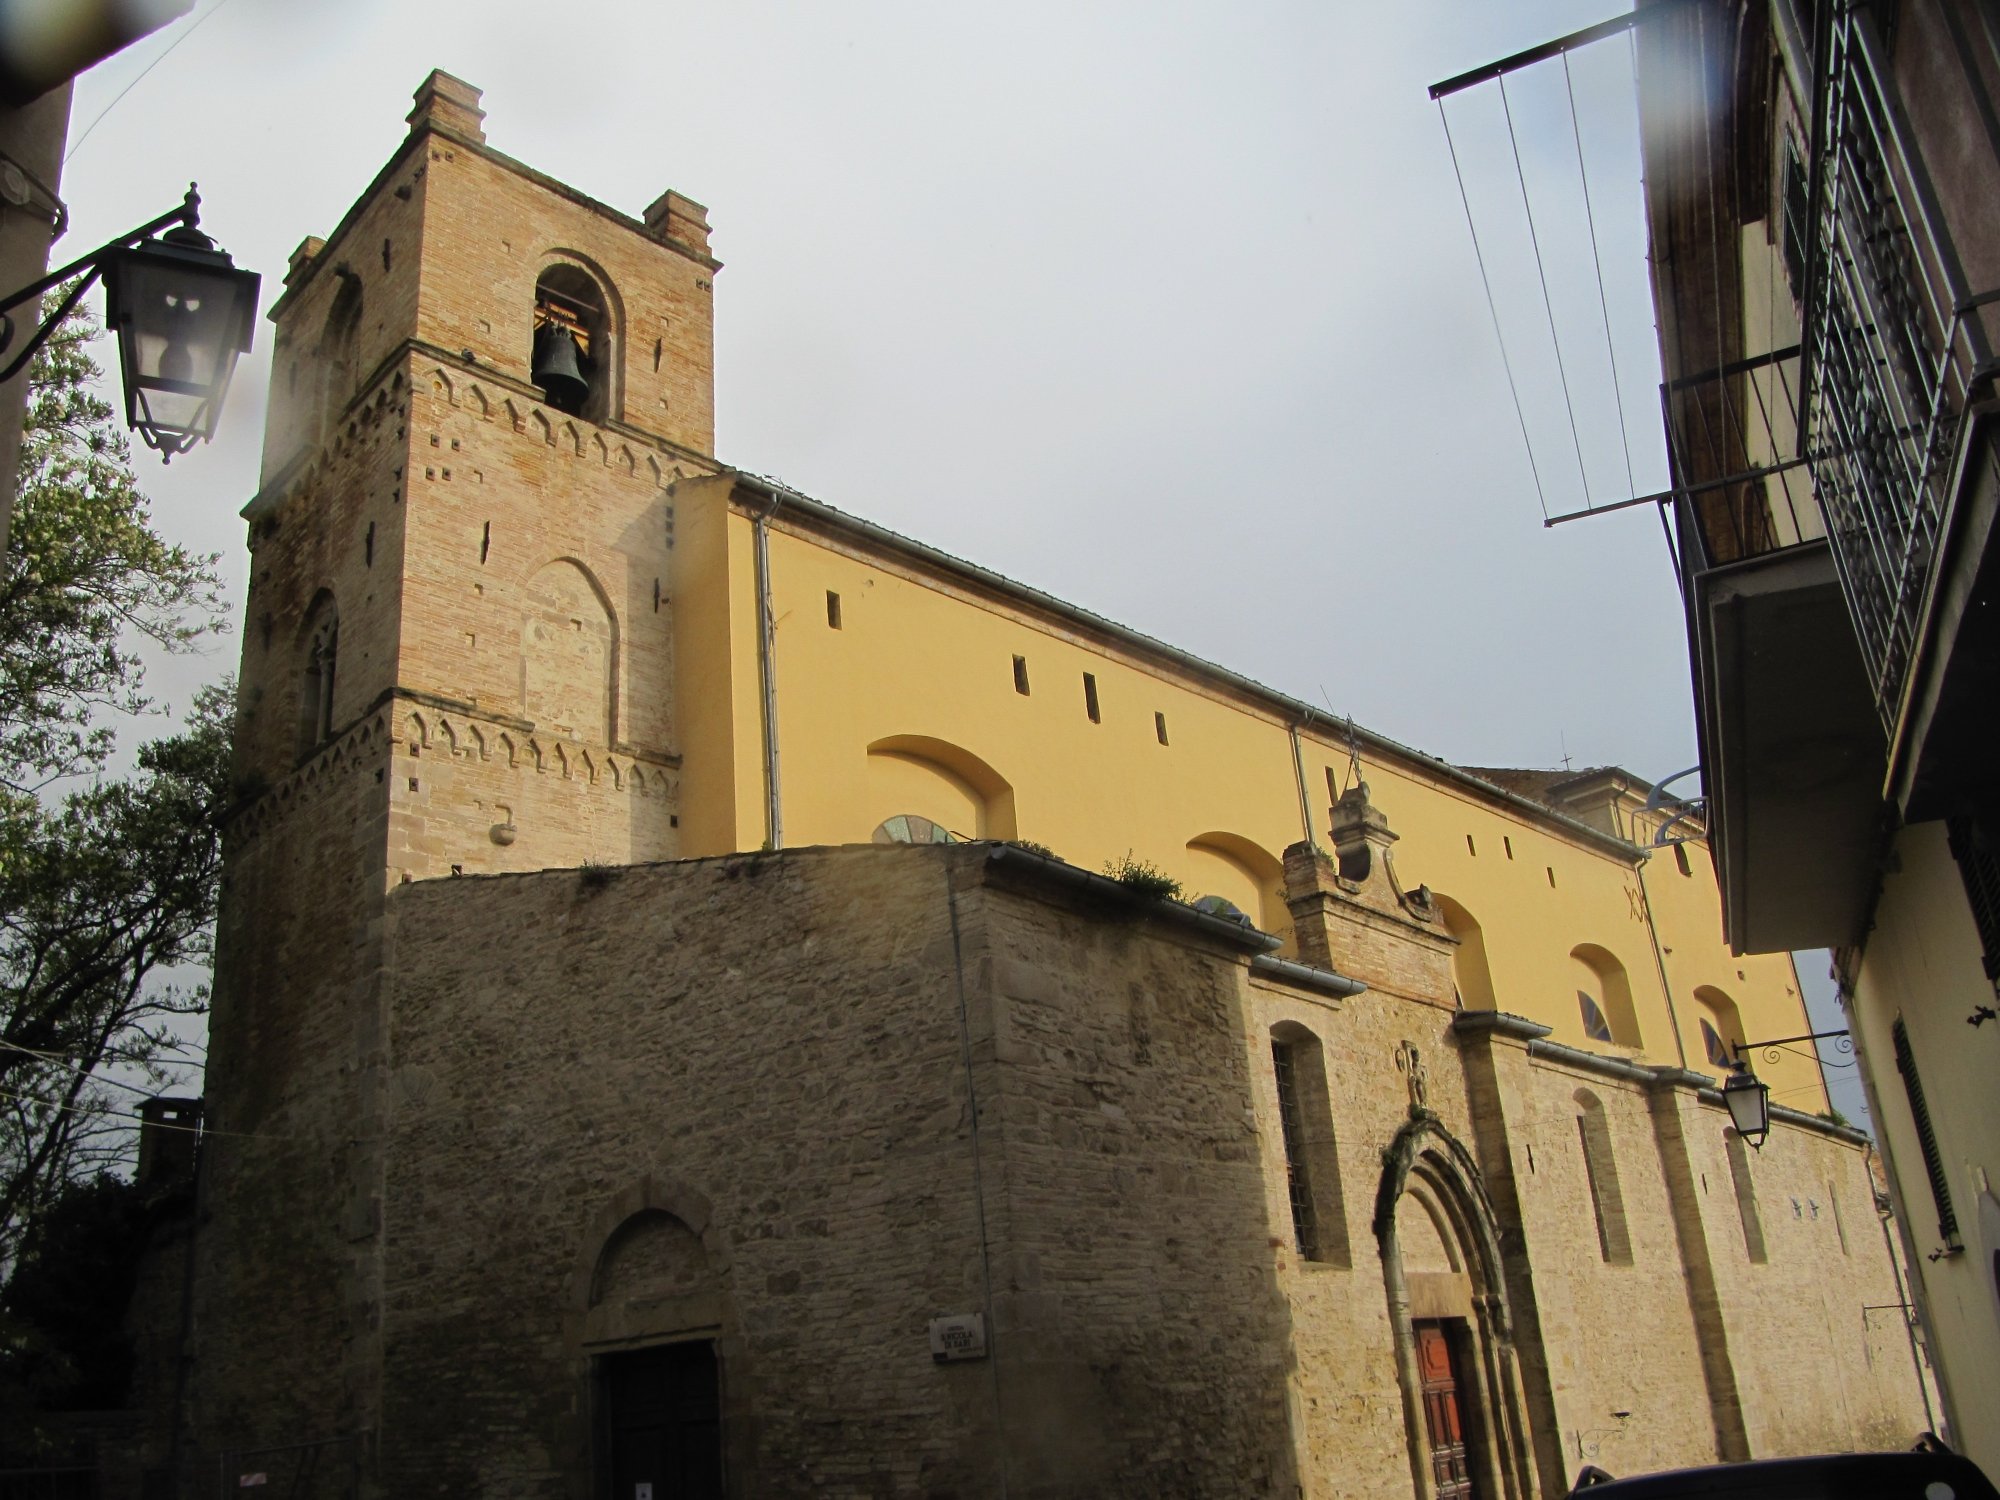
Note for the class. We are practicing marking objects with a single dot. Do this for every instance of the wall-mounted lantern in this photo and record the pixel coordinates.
(1748, 1096)
(182, 311)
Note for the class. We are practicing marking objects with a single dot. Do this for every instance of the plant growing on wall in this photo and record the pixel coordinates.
(1146, 878)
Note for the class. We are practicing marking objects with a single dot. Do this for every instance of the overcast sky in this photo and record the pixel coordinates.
(1168, 309)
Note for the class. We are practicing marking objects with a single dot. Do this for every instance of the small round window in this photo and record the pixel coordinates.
(909, 828)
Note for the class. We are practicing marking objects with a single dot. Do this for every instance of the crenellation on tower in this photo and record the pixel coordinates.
(449, 104)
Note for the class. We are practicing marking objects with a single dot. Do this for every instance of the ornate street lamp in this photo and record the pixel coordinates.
(1748, 1096)
(1749, 1101)
(182, 313)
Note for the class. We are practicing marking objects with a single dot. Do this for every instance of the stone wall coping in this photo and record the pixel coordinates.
(1506, 1023)
(1292, 711)
(1475, 1022)
(1309, 976)
(1050, 870)
(1593, 1062)
(1852, 1135)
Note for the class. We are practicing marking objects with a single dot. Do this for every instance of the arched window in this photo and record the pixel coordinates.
(1604, 996)
(954, 787)
(1594, 1024)
(1721, 1026)
(910, 828)
(1312, 1157)
(320, 650)
(573, 360)
(1470, 976)
(1600, 1167)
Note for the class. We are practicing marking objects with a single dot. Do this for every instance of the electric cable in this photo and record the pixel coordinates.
(77, 144)
(1597, 264)
(1493, 311)
(1548, 304)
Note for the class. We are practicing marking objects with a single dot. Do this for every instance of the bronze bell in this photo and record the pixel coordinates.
(558, 368)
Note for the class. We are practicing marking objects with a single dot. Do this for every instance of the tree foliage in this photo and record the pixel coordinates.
(87, 580)
(104, 889)
(98, 899)
(63, 1341)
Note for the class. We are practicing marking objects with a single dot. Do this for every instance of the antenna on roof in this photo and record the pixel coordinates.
(1353, 756)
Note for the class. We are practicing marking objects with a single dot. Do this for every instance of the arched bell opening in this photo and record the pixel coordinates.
(573, 363)
(1464, 1407)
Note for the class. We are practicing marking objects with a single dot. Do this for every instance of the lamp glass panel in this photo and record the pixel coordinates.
(1749, 1105)
(180, 327)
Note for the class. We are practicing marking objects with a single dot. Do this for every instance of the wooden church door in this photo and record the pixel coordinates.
(662, 1423)
(1443, 1419)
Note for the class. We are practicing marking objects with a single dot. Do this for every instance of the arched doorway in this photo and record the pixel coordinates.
(1463, 1412)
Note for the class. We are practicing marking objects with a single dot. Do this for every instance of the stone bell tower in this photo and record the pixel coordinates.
(457, 658)
(465, 547)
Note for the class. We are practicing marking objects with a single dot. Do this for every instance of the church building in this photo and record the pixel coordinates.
(695, 1013)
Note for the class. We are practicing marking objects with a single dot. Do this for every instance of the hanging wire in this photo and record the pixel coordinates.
(119, 1114)
(1541, 272)
(68, 1065)
(1493, 311)
(1597, 264)
(186, 32)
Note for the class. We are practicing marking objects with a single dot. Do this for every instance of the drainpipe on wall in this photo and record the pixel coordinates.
(1660, 961)
(767, 673)
(1299, 774)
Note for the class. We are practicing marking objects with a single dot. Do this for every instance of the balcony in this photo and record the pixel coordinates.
(1897, 352)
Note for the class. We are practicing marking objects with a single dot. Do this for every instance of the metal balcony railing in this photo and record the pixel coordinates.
(1894, 344)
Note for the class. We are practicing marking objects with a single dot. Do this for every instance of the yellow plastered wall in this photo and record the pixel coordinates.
(911, 705)
(1922, 965)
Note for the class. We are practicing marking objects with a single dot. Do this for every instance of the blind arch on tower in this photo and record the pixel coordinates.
(569, 653)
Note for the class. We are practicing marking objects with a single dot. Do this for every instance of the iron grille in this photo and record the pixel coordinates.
(1305, 1223)
(1906, 1064)
(1893, 341)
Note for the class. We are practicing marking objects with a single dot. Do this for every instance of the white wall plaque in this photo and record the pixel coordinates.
(961, 1336)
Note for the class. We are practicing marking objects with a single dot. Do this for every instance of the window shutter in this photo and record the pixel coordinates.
(1979, 869)
(1906, 1064)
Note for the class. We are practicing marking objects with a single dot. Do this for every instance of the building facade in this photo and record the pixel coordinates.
(1821, 184)
(588, 1113)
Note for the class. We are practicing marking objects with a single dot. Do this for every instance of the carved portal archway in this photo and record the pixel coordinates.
(1440, 1246)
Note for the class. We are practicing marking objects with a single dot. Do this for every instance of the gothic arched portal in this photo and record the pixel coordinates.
(1463, 1410)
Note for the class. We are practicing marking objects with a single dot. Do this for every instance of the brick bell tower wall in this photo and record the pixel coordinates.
(457, 657)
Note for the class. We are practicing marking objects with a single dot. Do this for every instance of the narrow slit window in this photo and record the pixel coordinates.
(1160, 727)
(1681, 859)
(1090, 698)
(1021, 675)
(1470, 847)
(1552, 877)
(1298, 1182)
(1600, 1167)
(1746, 1198)
(1312, 1155)
(1508, 844)
(832, 610)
